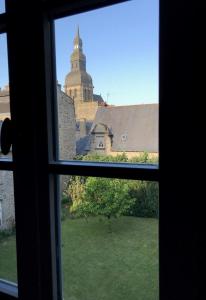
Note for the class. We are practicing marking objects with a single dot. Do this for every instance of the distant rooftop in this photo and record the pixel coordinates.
(134, 127)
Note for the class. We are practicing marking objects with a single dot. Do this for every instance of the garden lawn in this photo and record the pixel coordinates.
(102, 265)
(8, 258)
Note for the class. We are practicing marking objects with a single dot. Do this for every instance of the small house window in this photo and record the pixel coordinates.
(124, 137)
(100, 142)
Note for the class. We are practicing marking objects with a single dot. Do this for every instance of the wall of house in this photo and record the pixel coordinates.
(67, 131)
(7, 200)
(66, 125)
(100, 137)
(86, 110)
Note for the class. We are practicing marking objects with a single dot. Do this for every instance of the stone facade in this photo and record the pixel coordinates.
(86, 110)
(7, 216)
(101, 140)
(67, 126)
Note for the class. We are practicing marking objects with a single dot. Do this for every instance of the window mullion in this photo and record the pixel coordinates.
(28, 28)
(3, 23)
(112, 170)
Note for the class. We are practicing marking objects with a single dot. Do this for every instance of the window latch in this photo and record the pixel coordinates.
(6, 136)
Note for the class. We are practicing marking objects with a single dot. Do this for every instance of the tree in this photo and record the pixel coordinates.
(104, 197)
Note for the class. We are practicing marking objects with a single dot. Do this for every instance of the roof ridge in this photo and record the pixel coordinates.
(117, 106)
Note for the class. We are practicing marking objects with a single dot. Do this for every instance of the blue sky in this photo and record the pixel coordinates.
(2, 6)
(121, 46)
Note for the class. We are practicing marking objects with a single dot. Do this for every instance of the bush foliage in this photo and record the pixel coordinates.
(102, 197)
(92, 196)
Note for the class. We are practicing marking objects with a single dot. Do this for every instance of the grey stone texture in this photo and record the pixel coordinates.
(67, 126)
(7, 215)
(67, 129)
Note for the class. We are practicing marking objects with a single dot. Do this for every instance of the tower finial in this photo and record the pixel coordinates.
(78, 31)
(78, 40)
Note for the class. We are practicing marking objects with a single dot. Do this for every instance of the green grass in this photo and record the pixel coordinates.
(103, 265)
(8, 258)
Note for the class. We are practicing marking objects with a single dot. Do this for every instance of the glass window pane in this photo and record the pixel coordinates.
(4, 87)
(109, 239)
(8, 267)
(108, 83)
(2, 6)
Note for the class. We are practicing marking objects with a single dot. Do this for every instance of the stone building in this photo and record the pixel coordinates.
(66, 143)
(79, 86)
(131, 129)
(107, 129)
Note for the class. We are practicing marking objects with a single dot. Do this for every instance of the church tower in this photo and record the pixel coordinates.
(78, 83)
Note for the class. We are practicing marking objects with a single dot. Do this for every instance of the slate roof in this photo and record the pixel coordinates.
(134, 127)
(98, 98)
(82, 145)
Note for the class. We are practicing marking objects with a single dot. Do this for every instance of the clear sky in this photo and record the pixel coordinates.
(121, 46)
(2, 6)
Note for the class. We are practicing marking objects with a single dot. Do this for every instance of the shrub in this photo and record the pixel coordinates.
(103, 197)
(76, 190)
(113, 197)
(104, 158)
(146, 196)
(142, 158)
(5, 233)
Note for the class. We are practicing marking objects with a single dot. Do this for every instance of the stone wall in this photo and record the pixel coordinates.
(67, 131)
(86, 110)
(7, 200)
(67, 126)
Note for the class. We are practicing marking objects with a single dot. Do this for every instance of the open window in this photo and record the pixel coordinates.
(37, 163)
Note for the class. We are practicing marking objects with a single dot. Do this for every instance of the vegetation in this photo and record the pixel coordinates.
(97, 265)
(108, 197)
(100, 197)
(146, 195)
(8, 269)
(7, 233)
(142, 158)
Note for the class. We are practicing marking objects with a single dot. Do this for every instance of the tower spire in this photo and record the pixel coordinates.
(78, 31)
(78, 40)
(78, 83)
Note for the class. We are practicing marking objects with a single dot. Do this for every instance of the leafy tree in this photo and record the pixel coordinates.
(104, 197)
(76, 190)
